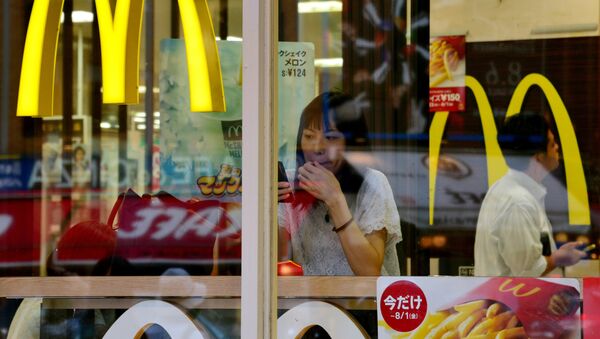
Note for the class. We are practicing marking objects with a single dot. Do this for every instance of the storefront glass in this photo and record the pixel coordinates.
(434, 82)
(388, 113)
(137, 187)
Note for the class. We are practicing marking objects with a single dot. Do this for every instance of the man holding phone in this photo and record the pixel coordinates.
(514, 235)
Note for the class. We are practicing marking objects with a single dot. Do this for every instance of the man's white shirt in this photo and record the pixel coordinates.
(509, 228)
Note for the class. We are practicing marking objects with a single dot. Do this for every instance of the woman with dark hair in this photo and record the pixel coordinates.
(342, 221)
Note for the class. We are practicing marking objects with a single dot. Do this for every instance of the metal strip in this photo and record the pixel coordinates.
(149, 82)
(259, 289)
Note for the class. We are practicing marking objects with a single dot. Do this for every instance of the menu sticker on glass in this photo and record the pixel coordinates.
(447, 73)
(456, 307)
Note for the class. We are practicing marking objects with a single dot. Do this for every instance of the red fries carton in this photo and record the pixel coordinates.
(457, 307)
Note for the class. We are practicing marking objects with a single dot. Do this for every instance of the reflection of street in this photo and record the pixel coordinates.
(461, 184)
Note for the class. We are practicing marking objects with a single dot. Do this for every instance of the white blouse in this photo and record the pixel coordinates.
(318, 249)
(511, 222)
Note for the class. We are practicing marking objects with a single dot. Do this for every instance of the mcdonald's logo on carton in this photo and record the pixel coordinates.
(120, 44)
(579, 211)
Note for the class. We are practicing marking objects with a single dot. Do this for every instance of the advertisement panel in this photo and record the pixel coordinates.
(500, 307)
(447, 73)
(579, 210)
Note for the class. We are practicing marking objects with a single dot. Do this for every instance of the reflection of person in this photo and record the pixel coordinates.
(341, 222)
(81, 168)
(514, 235)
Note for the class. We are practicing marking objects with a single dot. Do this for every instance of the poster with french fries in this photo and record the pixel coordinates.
(447, 73)
(479, 308)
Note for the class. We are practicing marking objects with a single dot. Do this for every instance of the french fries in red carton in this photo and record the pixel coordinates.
(496, 308)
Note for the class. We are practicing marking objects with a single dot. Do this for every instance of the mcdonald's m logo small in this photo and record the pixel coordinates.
(120, 44)
(234, 131)
(516, 290)
(579, 210)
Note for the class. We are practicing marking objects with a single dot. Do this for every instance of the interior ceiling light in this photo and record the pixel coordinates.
(230, 38)
(142, 89)
(79, 17)
(329, 62)
(319, 6)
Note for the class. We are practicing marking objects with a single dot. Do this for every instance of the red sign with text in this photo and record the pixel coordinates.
(447, 73)
(477, 307)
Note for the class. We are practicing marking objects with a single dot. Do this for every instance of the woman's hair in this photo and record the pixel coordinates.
(339, 110)
(336, 110)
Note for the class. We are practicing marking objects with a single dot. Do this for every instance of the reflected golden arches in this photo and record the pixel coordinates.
(36, 84)
(495, 160)
(120, 46)
(579, 212)
(204, 67)
(136, 320)
(334, 320)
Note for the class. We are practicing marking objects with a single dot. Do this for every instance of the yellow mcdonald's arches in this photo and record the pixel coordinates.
(335, 321)
(579, 212)
(206, 81)
(36, 86)
(495, 160)
(579, 209)
(504, 287)
(120, 43)
(136, 320)
(436, 131)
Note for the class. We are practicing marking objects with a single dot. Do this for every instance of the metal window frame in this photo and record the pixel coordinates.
(259, 284)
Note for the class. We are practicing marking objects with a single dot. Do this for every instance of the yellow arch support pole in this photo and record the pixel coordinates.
(36, 86)
(204, 69)
(120, 43)
(579, 210)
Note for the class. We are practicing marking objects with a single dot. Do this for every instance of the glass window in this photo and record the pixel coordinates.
(103, 180)
(393, 139)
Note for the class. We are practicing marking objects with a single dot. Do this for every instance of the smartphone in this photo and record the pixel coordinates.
(589, 248)
(282, 177)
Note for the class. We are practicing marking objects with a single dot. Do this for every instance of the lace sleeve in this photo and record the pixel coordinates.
(376, 208)
(283, 216)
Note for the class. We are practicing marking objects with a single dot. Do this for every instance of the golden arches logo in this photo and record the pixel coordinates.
(334, 320)
(137, 319)
(176, 322)
(120, 44)
(579, 210)
(504, 287)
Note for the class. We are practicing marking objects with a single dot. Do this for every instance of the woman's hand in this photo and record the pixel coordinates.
(284, 190)
(320, 183)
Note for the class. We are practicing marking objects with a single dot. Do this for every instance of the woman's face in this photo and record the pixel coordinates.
(326, 148)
